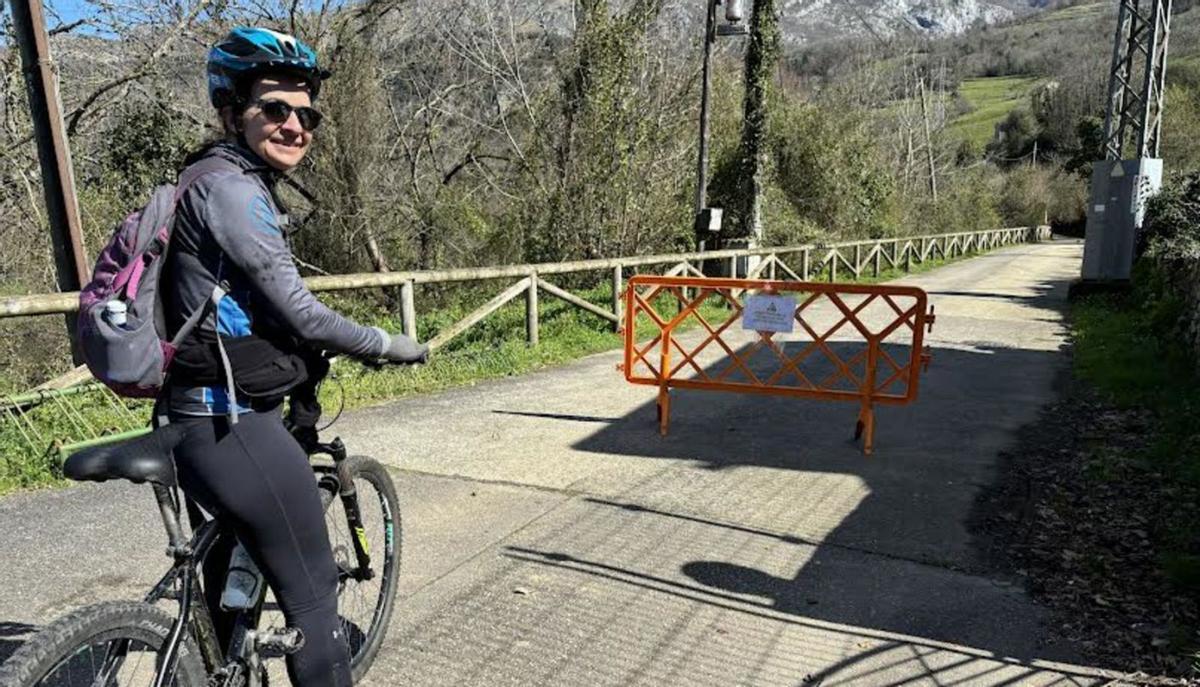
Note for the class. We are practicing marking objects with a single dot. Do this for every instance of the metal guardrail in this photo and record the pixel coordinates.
(846, 260)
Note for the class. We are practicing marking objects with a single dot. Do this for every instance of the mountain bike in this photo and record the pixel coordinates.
(138, 643)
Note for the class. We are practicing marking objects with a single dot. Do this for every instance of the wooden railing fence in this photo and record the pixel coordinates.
(845, 261)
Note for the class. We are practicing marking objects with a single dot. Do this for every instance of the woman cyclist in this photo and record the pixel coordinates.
(238, 459)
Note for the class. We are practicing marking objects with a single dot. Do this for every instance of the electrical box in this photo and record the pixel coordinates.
(708, 221)
(1120, 189)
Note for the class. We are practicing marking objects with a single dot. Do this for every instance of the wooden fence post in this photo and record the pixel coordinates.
(617, 285)
(531, 310)
(408, 310)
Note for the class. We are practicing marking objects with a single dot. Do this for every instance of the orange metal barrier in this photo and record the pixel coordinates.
(846, 341)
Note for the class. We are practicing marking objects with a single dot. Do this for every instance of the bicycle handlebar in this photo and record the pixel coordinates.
(378, 363)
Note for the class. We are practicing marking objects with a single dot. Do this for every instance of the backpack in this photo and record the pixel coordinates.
(122, 328)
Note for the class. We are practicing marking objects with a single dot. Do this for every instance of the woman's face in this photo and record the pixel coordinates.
(282, 144)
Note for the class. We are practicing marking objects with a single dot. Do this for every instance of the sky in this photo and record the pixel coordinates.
(72, 10)
(67, 10)
(63, 12)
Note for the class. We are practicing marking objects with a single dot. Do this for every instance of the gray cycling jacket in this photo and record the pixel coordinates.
(228, 230)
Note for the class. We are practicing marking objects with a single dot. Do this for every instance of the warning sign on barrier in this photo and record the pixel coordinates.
(766, 312)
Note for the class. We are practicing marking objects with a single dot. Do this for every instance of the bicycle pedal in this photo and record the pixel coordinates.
(278, 642)
(227, 676)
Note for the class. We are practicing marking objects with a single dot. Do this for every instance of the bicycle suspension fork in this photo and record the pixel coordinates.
(349, 496)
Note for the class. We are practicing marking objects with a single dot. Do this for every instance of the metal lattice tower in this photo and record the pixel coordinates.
(1136, 80)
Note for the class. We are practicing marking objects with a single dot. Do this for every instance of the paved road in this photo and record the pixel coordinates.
(553, 538)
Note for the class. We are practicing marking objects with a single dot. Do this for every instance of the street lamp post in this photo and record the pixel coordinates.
(707, 219)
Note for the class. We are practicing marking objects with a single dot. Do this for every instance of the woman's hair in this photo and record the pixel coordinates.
(221, 133)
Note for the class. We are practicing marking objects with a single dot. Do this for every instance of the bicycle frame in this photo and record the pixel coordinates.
(188, 555)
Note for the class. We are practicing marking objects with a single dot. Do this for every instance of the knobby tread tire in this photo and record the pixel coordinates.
(91, 624)
(370, 470)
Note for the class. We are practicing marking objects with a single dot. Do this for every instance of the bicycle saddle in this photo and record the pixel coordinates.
(144, 459)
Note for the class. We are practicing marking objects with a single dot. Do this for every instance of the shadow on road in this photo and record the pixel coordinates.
(890, 550)
(884, 657)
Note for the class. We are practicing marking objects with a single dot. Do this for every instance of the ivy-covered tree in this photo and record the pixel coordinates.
(762, 60)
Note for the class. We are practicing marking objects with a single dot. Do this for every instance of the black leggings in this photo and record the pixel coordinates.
(257, 479)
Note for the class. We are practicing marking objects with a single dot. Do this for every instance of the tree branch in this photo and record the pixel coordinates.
(78, 113)
(65, 28)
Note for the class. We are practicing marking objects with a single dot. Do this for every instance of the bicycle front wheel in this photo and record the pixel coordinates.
(366, 597)
(115, 644)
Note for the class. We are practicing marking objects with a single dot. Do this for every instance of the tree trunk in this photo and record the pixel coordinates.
(933, 191)
(762, 58)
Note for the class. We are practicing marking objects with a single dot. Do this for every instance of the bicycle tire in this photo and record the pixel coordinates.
(59, 645)
(380, 511)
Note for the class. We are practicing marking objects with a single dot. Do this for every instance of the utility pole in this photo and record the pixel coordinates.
(707, 221)
(54, 154)
(705, 85)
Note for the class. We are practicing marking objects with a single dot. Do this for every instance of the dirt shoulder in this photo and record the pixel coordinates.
(1079, 519)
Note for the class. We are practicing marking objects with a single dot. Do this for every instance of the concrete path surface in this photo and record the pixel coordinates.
(552, 537)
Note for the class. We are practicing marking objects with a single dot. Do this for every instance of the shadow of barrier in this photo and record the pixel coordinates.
(679, 334)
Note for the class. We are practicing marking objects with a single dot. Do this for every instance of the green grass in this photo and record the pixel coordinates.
(1071, 13)
(29, 455)
(991, 99)
(1127, 347)
(492, 349)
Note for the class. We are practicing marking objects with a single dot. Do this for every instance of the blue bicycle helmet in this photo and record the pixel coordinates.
(247, 53)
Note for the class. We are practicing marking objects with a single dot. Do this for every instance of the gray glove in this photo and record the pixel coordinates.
(398, 348)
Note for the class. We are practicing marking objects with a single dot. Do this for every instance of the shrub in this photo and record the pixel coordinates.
(828, 167)
(1171, 231)
(1037, 195)
(1181, 128)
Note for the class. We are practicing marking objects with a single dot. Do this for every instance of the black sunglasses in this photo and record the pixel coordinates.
(278, 111)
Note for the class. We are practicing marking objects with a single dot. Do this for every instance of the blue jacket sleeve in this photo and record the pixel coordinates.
(243, 221)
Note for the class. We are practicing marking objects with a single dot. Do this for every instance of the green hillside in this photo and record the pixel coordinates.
(990, 99)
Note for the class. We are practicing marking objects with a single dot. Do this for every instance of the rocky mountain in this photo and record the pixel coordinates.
(809, 21)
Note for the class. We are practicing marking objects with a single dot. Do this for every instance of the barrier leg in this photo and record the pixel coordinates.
(664, 391)
(664, 409)
(865, 428)
(866, 415)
